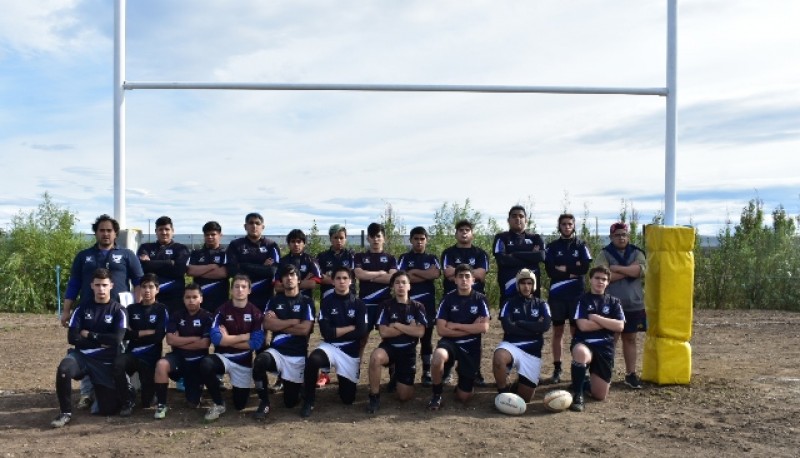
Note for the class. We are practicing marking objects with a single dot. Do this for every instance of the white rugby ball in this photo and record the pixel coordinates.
(557, 400)
(510, 404)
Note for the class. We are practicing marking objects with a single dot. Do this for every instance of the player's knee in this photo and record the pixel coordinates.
(68, 367)
(501, 359)
(207, 366)
(261, 365)
(377, 358)
(439, 356)
(162, 368)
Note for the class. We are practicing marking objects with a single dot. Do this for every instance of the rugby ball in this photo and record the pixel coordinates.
(557, 400)
(510, 404)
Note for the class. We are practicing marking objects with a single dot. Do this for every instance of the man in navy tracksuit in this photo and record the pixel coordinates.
(257, 257)
(516, 249)
(167, 259)
(207, 267)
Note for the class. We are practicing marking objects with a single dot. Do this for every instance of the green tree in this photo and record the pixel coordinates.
(35, 244)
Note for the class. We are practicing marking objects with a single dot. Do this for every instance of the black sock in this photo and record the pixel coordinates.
(578, 372)
(438, 389)
(557, 366)
(161, 393)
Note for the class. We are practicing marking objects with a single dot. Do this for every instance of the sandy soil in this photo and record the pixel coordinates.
(744, 399)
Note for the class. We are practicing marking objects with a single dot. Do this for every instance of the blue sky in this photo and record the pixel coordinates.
(335, 157)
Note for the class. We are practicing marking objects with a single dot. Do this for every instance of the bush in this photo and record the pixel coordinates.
(35, 243)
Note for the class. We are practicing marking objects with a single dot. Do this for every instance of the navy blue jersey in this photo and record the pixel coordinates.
(300, 307)
(187, 325)
(455, 255)
(338, 311)
(524, 321)
(604, 305)
(247, 257)
(237, 321)
(146, 318)
(513, 252)
(395, 312)
(573, 254)
(168, 261)
(329, 260)
(106, 324)
(370, 292)
(425, 291)
(455, 308)
(215, 290)
(122, 263)
(306, 269)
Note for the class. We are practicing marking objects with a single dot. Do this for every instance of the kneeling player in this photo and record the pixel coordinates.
(401, 323)
(342, 323)
(524, 318)
(188, 333)
(236, 333)
(147, 324)
(598, 316)
(462, 318)
(96, 330)
(290, 317)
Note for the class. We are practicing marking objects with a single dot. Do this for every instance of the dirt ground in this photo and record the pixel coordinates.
(744, 399)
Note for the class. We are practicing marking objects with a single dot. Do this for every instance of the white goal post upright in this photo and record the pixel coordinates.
(121, 85)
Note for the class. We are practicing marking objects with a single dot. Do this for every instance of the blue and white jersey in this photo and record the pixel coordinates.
(370, 292)
(339, 311)
(524, 322)
(425, 291)
(604, 305)
(395, 312)
(455, 308)
(299, 307)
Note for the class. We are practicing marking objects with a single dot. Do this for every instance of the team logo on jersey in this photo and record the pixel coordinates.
(262, 249)
(329, 264)
(427, 265)
(303, 268)
(279, 307)
(196, 323)
(136, 316)
(458, 261)
(366, 260)
(87, 315)
(108, 319)
(472, 261)
(409, 318)
(535, 313)
(152, 254)
(117, 258)
(528, 241)
(168, 251)
(590, 308)
(245, 250)
(247, 317)
(351, 313)
(217, 259)
(473, 309)
(454, 308)
(228, 317)
(334, 312)
(575, 253)
(182, 323)
(393, 317)
(559, 253)
(202, 259)
(296, 308)
(89, 258)
(606, 310)
(153, 318)
(517, 311)
(384, 259)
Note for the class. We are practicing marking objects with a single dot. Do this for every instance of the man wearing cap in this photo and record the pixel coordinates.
(627, 264)
(517, 249)
(207, 267)
(255, 256)
(524, 318)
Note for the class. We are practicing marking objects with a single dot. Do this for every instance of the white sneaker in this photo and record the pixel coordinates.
(61, 420)
(161, 412)
(214, 412)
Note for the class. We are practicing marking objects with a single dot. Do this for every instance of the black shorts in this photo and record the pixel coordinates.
(372, 317)
(468, 364)
(561, 310)
(602, 364)
(635, 321)
(404, 360)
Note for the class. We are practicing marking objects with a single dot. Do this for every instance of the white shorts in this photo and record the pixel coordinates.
(290, 368)
(527, 365)
(241, 376)
(345, 365)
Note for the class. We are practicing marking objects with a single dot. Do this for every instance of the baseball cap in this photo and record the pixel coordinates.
(618, 226)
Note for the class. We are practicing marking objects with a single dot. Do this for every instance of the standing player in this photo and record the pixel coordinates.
(338, 255)
(307, 270)
(598, 317)
(374, 269)
(167, 259)
(207, 268)
(401, 323)
(236, 333)
(567, 261)
(255, 256)
(524, 318)
(147, 325)
(627, 264)
(422, 269)
(342, 323)
(464, 252)
(123, 266)
(96, 330)
(188, 334)
(517, 249)
(290, 317)
(462, 318)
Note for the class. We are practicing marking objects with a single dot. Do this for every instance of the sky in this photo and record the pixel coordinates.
(342, 157)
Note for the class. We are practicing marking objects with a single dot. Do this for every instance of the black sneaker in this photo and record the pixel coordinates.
(305, 412)
(577, 402)
(427, 381)
(556, 378)
(127, 409)
(479, 381)
(435, 402)
(374, 403)
(262, 411)
(61, 420)
(632, 380)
